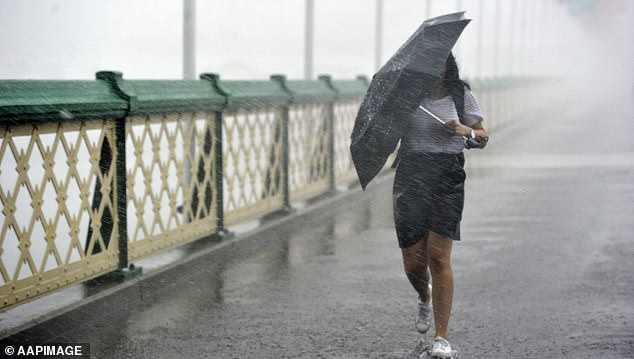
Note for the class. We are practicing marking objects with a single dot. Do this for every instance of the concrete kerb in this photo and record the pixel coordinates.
(125, 293)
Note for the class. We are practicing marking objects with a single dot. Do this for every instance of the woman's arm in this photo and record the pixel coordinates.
(458, 129)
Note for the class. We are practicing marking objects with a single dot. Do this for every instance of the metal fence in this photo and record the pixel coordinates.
(95, 175)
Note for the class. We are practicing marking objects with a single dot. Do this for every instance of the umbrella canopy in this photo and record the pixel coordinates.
(396, 90)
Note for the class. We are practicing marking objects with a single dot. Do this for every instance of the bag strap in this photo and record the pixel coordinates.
(458, 100)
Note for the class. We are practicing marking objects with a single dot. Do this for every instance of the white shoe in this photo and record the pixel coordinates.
(441, 348)
(423, 320)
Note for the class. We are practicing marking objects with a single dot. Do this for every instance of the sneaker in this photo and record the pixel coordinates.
(441, 348)
(423, 320)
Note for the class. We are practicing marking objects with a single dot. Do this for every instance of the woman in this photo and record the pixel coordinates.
(428, 196)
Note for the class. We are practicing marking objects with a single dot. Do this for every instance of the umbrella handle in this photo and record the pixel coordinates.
(470, 143)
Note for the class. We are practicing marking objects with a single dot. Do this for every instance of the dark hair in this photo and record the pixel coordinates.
(452, 82)
(454, 86)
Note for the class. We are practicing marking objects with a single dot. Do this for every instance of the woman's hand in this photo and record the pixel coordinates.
(477, 132)
(456, 128)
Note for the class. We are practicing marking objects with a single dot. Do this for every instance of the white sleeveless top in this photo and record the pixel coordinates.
(425, 134)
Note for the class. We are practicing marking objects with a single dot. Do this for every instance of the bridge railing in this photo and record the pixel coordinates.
(95, 175)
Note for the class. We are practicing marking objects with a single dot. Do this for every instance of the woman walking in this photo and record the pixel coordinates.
(428, 196)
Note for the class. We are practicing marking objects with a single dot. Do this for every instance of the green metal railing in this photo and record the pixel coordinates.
(98, 174)
(95, 175)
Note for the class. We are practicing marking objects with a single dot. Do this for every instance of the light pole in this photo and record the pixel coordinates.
(458, 50)
(480, 34)
(189, 39)
(512, 40)
(308, 39)
(378, 43)
(496, 34)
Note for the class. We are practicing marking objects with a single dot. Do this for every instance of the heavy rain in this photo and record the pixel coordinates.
(179, 178)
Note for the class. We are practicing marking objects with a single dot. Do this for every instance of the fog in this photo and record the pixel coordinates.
(73, 39)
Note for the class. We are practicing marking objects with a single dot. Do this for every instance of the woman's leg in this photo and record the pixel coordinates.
(415, 263)
(439, 251)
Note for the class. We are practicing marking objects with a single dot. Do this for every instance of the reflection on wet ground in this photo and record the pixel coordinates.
(538, 243)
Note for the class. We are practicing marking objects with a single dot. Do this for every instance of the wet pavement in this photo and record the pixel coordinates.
(545, 267)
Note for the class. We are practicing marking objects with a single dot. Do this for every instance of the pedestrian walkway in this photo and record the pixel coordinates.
(544, 267)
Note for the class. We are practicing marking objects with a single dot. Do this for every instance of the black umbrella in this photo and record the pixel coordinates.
(396, 90)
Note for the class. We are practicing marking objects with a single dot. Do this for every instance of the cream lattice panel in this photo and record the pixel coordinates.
(170, 180)
(345, 114)
(58, 223)
(253, 175)
(308, 150)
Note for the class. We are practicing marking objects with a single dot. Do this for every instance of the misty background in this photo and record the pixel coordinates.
(252, 39)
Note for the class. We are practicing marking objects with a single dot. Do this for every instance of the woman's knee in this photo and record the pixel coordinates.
(414, 267)
(439, 249)
(415, 259)
(439, 263)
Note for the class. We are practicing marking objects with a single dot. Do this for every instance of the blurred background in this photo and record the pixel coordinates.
(251, 39)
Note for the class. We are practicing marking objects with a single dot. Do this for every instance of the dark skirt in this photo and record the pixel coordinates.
(428, 195)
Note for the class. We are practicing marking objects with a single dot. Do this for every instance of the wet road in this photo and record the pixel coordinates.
(545, 267)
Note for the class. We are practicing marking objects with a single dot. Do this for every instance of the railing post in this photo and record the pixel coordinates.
(281, 80)
(121, 192)
(125, 269)
(221, 231)
(330, 122)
